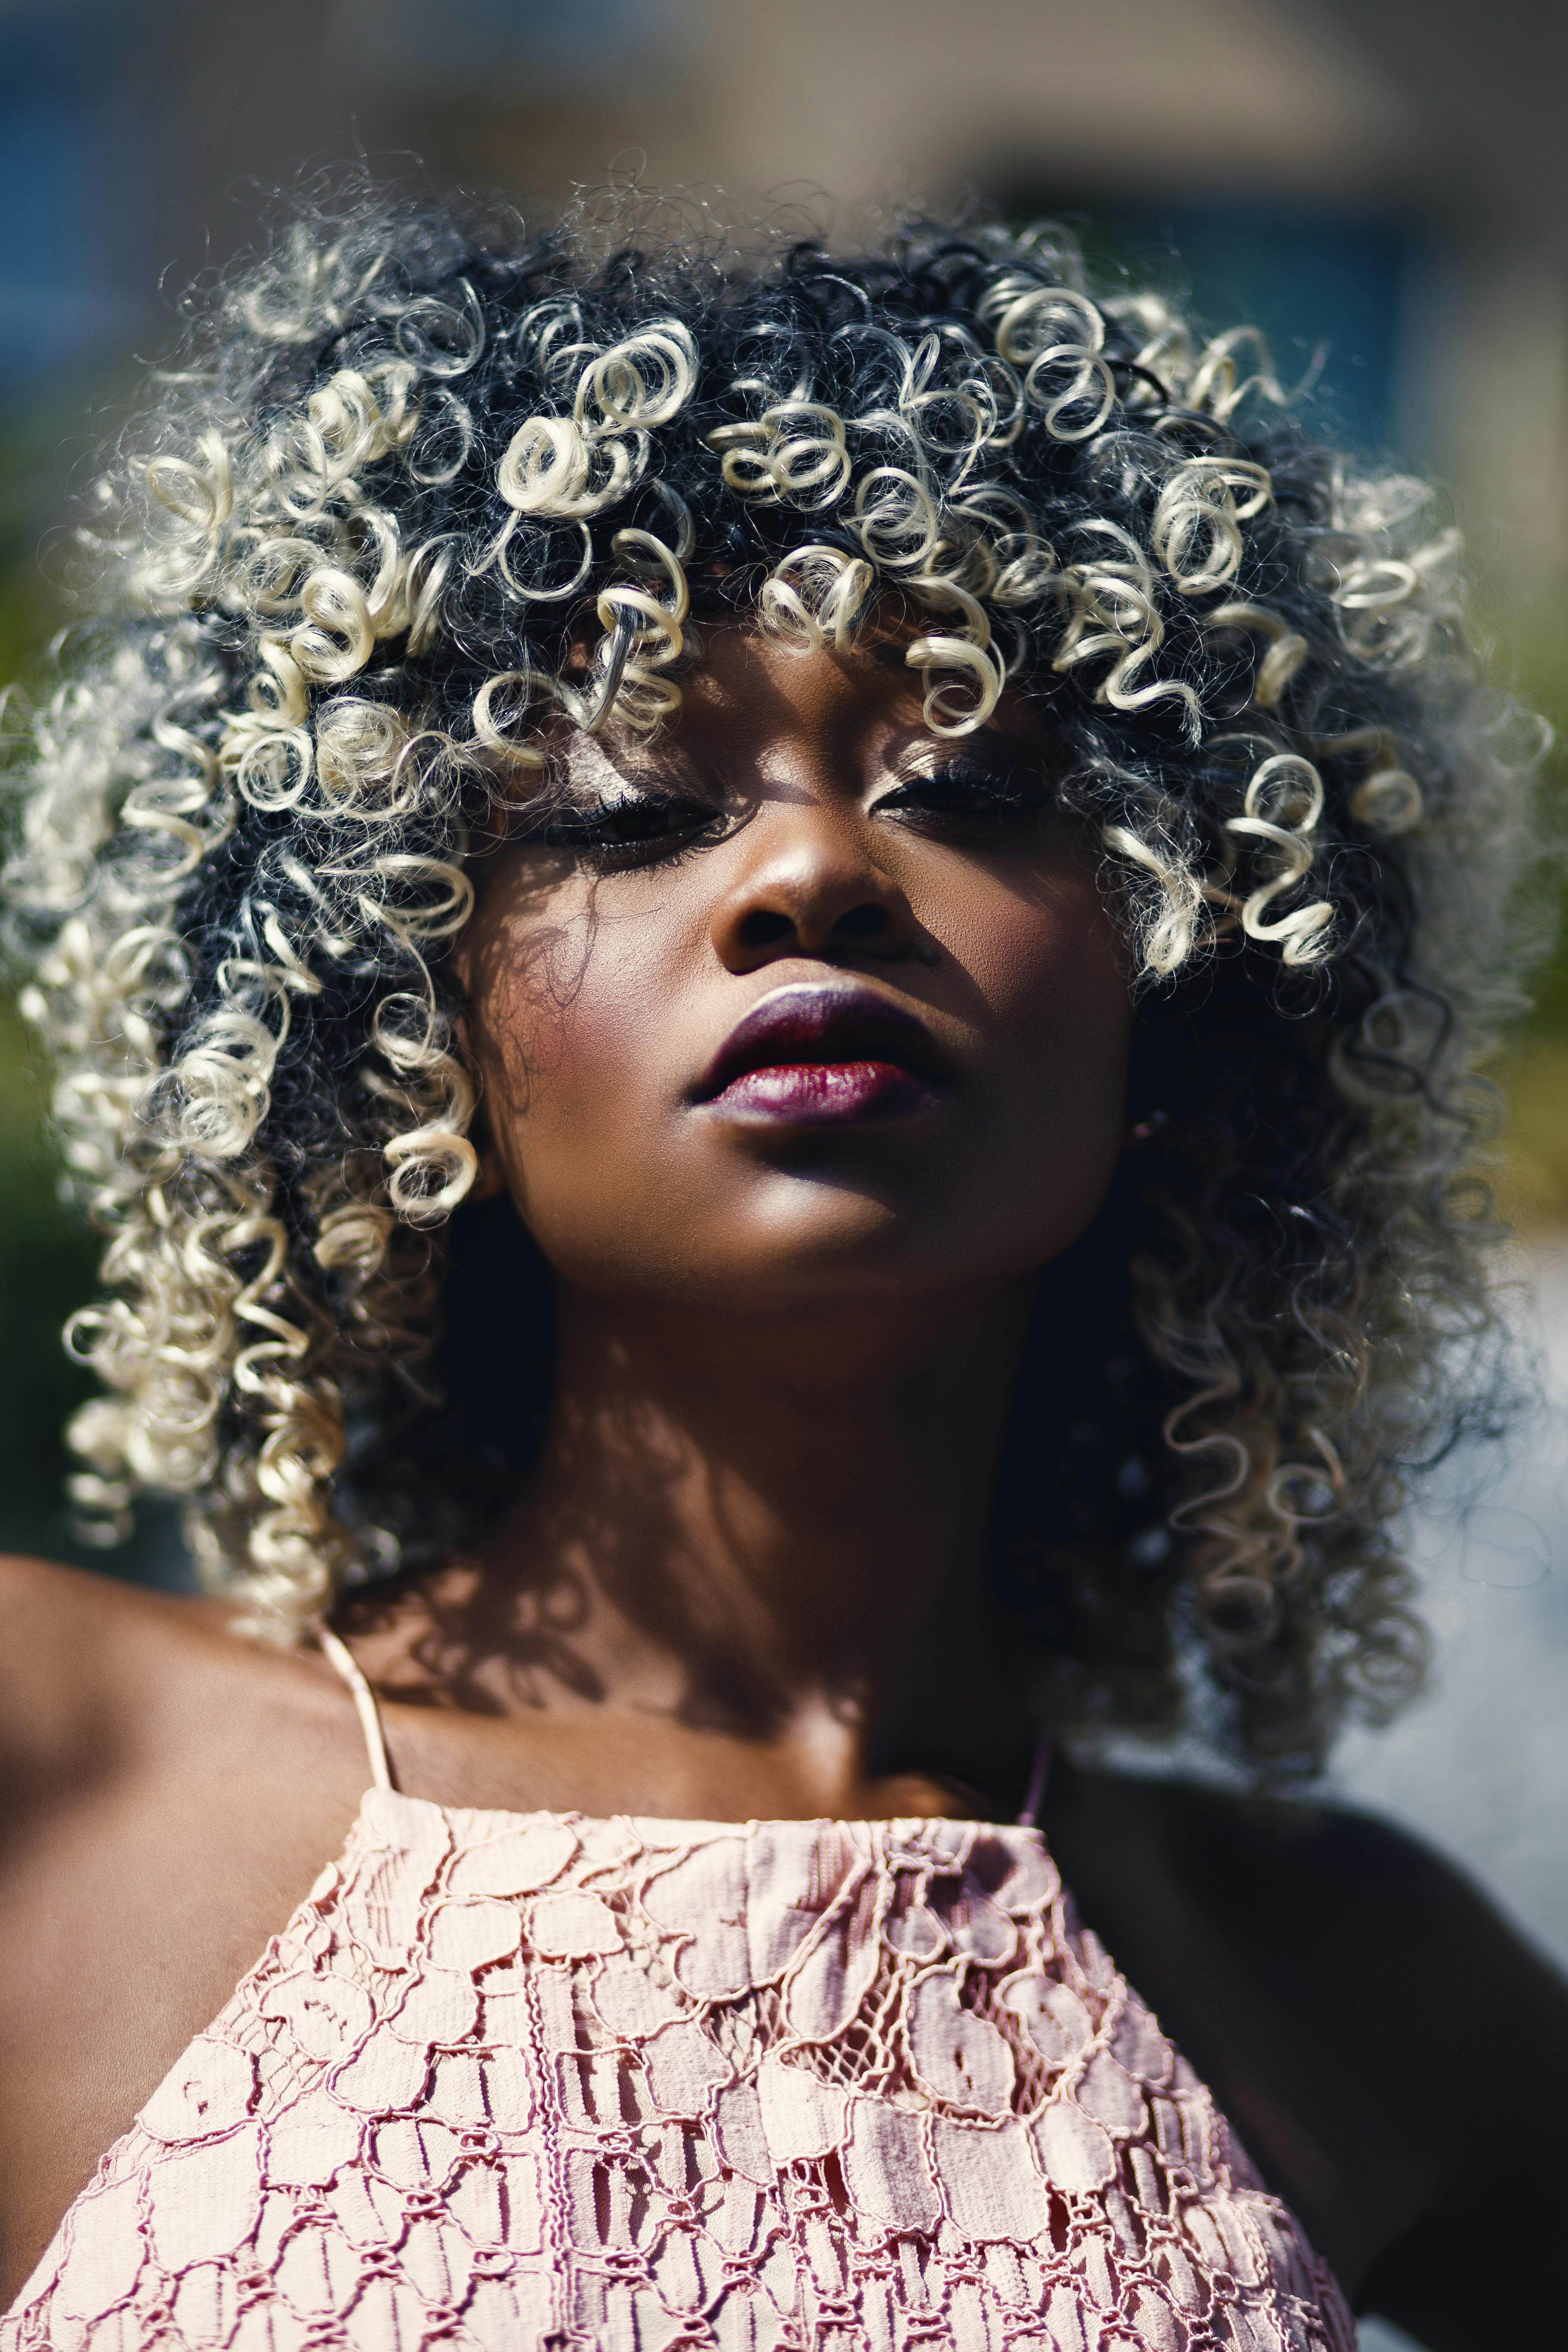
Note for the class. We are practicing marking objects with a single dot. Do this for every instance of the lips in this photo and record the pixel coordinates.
(809, 1055)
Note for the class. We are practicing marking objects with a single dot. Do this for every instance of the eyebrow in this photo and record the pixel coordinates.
(590, 763)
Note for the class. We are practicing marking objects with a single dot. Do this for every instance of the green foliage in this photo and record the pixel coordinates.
(1532, 1188)
(1538, 673)
(1533, 1180)
(49, 1258)
(47, 1267)
(45, 1256)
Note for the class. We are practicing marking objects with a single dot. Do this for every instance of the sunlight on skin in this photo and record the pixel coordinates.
(743, 1290)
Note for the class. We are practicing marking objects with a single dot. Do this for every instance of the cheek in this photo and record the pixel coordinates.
(568, 1012)
(1046, 964)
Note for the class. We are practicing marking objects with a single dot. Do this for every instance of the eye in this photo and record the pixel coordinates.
(633, 829)
(967, 798)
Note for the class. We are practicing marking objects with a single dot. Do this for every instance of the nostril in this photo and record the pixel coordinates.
(863, 922)
(762, 928)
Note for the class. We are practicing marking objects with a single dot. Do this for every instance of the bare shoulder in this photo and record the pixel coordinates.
(169, 1789)
(1342, 1909)
(80, 1657)
(1363, 2014)
(1343, 1878)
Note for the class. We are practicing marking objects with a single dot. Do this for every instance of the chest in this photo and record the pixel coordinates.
(530, 2073)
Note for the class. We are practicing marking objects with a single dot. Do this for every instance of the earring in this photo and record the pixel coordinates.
(1146, 1130)
(490, 1182)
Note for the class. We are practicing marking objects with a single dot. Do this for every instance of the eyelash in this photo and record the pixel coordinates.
(987, 797)
(588, 832)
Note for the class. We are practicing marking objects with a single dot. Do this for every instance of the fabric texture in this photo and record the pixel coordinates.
(518, 2080)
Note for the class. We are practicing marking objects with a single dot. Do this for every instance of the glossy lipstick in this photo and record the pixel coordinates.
(810, 1056)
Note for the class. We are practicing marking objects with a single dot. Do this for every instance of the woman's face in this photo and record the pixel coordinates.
(800, 1003)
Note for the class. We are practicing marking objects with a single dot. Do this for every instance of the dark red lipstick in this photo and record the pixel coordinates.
(810, 1056)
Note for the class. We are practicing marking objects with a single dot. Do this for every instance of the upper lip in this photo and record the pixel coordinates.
(806, 1023)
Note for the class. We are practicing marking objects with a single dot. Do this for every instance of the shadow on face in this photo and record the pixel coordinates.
(799, 840)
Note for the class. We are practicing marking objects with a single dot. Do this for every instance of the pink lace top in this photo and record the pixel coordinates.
(509, 2080)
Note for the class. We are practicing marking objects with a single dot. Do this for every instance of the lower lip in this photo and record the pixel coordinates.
(823, 1094)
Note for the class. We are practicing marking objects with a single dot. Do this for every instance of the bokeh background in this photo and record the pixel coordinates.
(1387, 178)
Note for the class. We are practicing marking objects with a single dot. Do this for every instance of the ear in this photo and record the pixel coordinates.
(490, 1182)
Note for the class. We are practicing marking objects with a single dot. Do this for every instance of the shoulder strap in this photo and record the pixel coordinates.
(1034, 1795)
(341, 1656)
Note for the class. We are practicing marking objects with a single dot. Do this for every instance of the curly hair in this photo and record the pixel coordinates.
(421, 488)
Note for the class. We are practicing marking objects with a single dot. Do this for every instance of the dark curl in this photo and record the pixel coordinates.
(421, 489)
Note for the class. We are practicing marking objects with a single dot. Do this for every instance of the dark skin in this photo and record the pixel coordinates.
(748, 1577)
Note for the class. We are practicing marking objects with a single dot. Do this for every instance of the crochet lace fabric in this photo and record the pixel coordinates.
(518, 2080)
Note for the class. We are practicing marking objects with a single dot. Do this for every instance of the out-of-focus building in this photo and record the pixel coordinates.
(1386, 175)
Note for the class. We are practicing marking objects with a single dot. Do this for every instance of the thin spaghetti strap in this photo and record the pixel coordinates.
(363, 1698)
(1035, 1793)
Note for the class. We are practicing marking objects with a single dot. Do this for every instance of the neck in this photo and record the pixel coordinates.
(774, 1530)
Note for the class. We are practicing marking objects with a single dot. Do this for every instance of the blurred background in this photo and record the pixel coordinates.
(1386, 177)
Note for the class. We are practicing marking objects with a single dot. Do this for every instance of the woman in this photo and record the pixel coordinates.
(767, 974)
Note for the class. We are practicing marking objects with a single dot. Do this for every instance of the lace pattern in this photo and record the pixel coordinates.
(509, 2080)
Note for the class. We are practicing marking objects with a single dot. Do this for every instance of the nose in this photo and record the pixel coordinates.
(810, 887)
